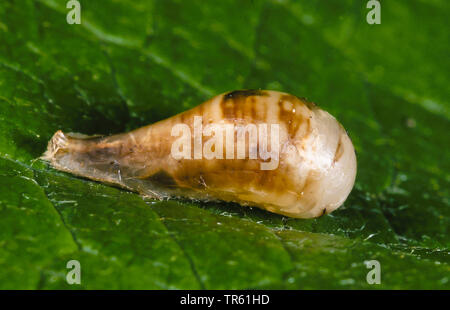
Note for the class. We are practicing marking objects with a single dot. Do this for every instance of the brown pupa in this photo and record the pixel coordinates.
(258, 148)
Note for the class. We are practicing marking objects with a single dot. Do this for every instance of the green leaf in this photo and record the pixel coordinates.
(131, 63)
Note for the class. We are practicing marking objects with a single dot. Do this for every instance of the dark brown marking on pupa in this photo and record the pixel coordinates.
(289, 116)
(162, 178)
(244, 93)
(339, 151)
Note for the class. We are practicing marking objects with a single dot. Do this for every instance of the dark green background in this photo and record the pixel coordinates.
(131, 63)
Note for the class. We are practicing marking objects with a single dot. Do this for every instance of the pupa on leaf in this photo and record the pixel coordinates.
(257, 148)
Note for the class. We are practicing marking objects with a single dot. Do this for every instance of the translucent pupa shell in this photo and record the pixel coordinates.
(301, 164)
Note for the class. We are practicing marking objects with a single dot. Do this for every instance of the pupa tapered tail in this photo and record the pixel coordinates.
(258, 148)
